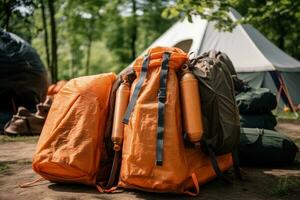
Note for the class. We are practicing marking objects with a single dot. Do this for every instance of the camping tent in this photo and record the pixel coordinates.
(256, 59)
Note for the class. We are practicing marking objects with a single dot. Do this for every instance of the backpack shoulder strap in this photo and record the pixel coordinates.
(114, 170)
(137, 89)
(161, 107)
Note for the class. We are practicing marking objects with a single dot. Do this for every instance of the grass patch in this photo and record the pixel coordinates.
(284, 186)
(3, 167)
(288, 115)
(5, 138)
(24, 162)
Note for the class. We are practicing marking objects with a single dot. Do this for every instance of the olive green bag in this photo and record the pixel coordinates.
(266, 148)
(220, 113)
(215, 72)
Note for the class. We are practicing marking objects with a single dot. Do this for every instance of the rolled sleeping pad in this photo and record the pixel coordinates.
(122, 99)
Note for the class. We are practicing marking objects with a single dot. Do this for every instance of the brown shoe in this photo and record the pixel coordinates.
(24, 123)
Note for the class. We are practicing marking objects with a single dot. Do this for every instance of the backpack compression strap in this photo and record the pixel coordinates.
(217, 169)
(137, 90)
(161, 108)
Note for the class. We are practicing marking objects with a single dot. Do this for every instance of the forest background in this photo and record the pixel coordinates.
(84, 37)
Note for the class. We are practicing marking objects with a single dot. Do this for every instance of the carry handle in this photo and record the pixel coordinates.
(196, 186)
(31, 183)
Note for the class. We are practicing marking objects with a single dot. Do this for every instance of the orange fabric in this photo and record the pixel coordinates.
(54, 88)
(71, 147)
(178, 57)
(181, 167)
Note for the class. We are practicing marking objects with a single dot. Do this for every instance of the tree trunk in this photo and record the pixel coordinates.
(89, 46)
(134, 30)
(8, 14)
(53, 41)
(45, 35)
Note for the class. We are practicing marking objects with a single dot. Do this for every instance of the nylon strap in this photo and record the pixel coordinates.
(236, 165)
(136, 90)
(215, 165)
(161, 108)
(114, 169)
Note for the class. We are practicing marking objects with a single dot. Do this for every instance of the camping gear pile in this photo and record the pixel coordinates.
(260, 144)
(255, 108)
(167, 124)
(23, 78)
(158, 140)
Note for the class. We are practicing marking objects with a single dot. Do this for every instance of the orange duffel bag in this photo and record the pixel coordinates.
(154, 157)
(71, 147)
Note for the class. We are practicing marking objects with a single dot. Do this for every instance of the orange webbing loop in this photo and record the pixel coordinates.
(111, 190)
(99, 188)
(196, 184)
(30, 184)
(103, 190)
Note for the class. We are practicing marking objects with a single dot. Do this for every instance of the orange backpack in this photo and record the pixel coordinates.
(154, 157)
(71, 147)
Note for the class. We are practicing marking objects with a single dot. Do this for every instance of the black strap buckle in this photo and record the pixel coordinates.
(162, 95)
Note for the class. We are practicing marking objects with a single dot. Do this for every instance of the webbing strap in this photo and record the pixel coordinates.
(114, 169)
(136, 90)
(215, 165)
(236, 164)
(161, 108)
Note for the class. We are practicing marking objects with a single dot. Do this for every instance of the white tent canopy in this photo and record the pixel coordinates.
(248, 49)
(251, 53)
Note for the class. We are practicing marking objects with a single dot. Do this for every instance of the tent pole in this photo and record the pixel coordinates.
(283, 88)
(278, 97)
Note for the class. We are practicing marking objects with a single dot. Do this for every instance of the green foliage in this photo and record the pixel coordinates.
(16, 16)
(210, 10)
(120, 22)
(277, 19)
(97, 36)
(284, 185)
(30, 139)
(3, 167)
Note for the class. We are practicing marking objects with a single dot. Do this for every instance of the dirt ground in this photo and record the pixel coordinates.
(261, 183)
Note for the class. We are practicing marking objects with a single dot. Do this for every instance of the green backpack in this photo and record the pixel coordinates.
(221, 122)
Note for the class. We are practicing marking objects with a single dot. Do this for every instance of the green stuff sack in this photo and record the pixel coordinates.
(261, 147)
(264, 121)
(256, 101)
